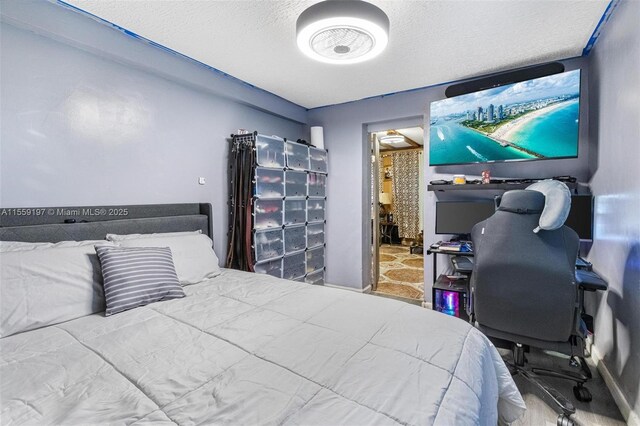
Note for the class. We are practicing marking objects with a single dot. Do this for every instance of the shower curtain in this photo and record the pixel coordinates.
(406, 192)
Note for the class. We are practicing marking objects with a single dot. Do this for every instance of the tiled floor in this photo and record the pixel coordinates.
(401, 273)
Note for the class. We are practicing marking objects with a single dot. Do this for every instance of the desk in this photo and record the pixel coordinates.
(436, 251)
(389, 233)
(586, 279)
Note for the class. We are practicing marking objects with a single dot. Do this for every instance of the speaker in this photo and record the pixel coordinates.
(501, 79)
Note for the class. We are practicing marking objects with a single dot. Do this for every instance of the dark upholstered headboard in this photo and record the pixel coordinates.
(54, 224)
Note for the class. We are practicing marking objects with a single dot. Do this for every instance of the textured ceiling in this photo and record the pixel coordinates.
(430, 42)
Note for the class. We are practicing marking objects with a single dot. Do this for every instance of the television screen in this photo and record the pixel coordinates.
(531, 120)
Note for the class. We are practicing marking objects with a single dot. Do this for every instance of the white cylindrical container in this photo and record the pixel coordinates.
(317, 137)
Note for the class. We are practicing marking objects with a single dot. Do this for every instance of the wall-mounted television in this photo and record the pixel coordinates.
(536, 119)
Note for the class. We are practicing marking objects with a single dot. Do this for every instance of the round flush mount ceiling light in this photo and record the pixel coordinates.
(392, 138)
(342, 31)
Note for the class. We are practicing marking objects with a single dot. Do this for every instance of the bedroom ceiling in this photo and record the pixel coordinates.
(430, 42)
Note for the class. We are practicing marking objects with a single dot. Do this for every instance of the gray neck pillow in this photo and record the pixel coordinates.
(557, 203)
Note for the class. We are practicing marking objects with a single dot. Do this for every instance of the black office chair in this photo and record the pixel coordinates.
(525, 294)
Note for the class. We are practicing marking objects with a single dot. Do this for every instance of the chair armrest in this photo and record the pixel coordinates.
(590, 281)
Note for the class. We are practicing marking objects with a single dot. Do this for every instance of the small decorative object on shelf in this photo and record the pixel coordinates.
(459, 179)
(277, 207)
(486, 177)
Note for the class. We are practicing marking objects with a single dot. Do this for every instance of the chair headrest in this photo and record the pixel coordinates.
(557, 203)
(522, 202)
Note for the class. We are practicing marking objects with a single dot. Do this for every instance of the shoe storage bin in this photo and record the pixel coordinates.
(295, 183)
(270, 152)
(268, 244)
(315, 260)
(297, 156)
(267, 214)
(269, 183)
(318, 160)
(295, 212)
(317, 185)
(315, 210)
(315, 235)
(270, 267)
(317, 278)
(293, 266)
(295, 238)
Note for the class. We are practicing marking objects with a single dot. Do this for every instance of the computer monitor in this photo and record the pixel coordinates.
(459, 217)
(580, 217)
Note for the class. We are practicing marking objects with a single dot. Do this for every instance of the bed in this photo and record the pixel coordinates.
(247, 349)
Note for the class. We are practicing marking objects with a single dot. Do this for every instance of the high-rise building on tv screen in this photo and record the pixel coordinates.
(531, 120)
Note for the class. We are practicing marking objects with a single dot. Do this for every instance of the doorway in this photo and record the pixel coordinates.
(397, 179)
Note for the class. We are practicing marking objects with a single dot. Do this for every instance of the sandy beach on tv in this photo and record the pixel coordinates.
(506, 131)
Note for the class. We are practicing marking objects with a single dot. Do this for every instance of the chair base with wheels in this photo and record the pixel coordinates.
(533, 376)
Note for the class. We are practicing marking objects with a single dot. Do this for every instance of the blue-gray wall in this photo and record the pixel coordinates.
(348, 228)
(84, 126)
(615, 130)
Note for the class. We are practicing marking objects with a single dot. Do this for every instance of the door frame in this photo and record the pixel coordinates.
(368, 277)
(375, 210)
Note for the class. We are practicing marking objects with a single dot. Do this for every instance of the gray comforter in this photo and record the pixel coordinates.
(250, 349)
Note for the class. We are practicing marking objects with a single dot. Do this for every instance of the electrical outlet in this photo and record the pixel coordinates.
(202, 180)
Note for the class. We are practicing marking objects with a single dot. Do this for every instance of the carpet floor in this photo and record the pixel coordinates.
(401, 273)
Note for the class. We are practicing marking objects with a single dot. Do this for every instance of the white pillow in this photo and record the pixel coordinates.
(21, 246)
(557, 203)
(193, 254)
(49, 285)
(117, 237)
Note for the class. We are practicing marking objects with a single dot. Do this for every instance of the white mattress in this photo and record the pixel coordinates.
(251, 349)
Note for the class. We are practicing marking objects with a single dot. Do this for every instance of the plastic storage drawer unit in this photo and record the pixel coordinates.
(318, 160)
(317, 185)
(316, 278)
(295, 212)
(267, 214)
(295, 239)
(315, 260)
(315, 235)
(268, 244)
(315, 209)
(270, 267)
(297, 156)
(295, 183)
(293, 266)
(270, 151)
(269, 183)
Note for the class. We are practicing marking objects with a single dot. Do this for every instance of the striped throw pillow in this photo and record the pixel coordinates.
(137, 276)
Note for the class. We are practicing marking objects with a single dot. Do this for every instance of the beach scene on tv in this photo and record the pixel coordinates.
(534, 119)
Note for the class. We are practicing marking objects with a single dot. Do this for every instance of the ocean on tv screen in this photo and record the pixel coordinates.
(534, 119)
